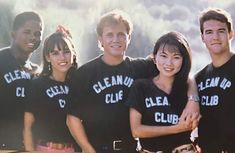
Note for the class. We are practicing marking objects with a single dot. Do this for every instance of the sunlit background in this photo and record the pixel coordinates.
(151, 19)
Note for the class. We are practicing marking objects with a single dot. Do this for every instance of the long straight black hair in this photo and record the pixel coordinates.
(179, 89)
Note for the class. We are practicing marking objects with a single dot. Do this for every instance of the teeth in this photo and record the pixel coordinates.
(116, 46)
(30, 44)
(62, 64)
(168, 69)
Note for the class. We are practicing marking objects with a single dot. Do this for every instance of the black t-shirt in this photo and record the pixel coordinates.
(48, 101)
(217, 92)
(156, 110)
(14, 82)
(99, 92)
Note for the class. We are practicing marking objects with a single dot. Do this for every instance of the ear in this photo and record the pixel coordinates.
(48, 59)
(100, 40)
(202, 37)
(129, 38)
(231, 34)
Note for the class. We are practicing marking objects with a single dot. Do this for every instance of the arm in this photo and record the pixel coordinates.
(192, 109)
(146, 131)
(27, 131)
(77, 131)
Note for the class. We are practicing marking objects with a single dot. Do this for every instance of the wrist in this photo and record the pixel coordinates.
(194, 98)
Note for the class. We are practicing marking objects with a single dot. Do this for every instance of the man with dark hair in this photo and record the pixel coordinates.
(15, 72)
(216, 84)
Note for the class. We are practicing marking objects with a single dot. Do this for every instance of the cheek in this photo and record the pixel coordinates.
(178, 64)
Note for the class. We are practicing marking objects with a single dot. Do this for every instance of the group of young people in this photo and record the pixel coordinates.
(115, 103)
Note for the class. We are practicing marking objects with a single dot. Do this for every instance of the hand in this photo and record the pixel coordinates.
(192, 112)
(89, 150)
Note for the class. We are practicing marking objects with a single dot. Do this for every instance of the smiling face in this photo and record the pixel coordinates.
(28, 37)
(61, 60)
(216, 37)
(114, 40)
(168, 60)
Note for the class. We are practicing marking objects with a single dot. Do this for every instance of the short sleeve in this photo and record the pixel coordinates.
(135, 98)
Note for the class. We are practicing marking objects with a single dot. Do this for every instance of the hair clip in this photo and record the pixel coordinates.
(63, 30)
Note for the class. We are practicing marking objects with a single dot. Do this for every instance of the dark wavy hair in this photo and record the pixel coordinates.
(23, 17)
(63, 40)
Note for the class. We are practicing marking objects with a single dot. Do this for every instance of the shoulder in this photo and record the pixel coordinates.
(204, 70)
(90, 64)
(4, 52)
(141, 83)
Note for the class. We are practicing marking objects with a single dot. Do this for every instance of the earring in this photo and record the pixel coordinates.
(49, 66)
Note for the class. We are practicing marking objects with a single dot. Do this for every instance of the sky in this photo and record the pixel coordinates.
(151, 19)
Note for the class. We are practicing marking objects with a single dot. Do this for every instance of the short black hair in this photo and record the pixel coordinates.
(22, 18)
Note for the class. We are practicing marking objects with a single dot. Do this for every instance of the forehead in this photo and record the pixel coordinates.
(214, 25)
(31, 25)
(120, 27)
(168, 48)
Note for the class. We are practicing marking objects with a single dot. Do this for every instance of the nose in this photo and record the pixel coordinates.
(168, 61)
(61, 55)
(215, 35)
(115, 38)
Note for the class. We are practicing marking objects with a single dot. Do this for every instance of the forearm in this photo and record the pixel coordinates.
(145, 131)
(27, 131)
(28, 139)
(77, 131)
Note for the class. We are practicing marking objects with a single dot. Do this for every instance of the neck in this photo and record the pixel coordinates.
(164, 83)
(112, 60)
(219, 60)
(19, 55)
(58, 76)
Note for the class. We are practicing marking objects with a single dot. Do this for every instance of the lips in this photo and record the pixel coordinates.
(63, 63)
(116, 46)
(30, 45)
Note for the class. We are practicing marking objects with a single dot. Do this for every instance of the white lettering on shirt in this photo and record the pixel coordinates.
(158, 101)
(16, 75)
(56, 90)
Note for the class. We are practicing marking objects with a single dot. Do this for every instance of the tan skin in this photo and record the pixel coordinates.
(61, 61)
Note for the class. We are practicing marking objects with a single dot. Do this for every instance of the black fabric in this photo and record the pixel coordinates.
(48, 101)
(14, 83)
(156, 109)
(99, 92)
(217, 91)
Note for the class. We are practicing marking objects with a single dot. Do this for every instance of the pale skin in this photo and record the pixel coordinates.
(168, 65)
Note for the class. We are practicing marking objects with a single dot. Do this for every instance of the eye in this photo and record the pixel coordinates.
(222, 31)
(54, 52)
(122, 36)
(109, 35)
(37, 34)
(163, 55)
(177, 57)
(208, 32)
(67, 51)
(26, 32)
